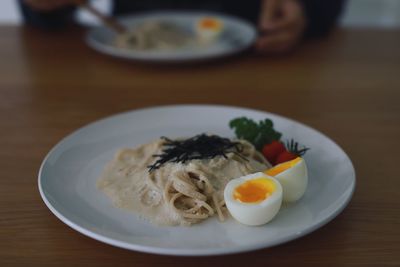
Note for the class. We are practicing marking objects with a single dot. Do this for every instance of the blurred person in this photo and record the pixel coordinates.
(282, 24)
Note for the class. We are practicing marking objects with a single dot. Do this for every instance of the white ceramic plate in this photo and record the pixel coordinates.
(237, 36)
(67, 183)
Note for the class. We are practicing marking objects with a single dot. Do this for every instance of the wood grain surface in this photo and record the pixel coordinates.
(347, 86)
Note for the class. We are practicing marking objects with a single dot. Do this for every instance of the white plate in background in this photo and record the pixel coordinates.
(237, 35)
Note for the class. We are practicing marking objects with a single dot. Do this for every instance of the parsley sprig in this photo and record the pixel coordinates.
(258, 134)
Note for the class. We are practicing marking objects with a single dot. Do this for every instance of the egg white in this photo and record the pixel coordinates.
(207, 35)
(253, 213)
(294, 181)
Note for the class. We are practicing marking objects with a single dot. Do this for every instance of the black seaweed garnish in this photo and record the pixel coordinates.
(201, 146)
(293, 147)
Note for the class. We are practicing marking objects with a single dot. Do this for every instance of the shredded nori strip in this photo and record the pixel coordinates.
(293, 147)
(201, 146)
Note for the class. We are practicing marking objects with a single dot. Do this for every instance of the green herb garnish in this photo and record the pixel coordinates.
(258, 134)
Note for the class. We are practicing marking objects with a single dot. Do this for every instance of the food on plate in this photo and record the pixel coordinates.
(254, 199)
(259, 134)
(272, 150)
(159, 35)
(293, 176)
(266, 139)
(208, 29)
(276, 152)
(293, 151)
(178, 182)
(185, 181)
(155, 36)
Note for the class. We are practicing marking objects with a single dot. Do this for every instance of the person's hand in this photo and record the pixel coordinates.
(48, 5)
(281, 26)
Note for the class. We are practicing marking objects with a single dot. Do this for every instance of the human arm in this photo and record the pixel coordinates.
(284, 23)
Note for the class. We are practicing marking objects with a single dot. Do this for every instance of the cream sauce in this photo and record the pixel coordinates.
(128, 183)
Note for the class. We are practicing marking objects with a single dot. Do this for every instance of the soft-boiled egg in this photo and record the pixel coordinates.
(208, 28)
(293, 177)
(253, 199)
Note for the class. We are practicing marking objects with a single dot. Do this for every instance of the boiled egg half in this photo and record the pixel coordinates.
(293, 177)
(208, 29)
(253, 199)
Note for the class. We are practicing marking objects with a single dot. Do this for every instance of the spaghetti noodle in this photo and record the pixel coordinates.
(175, 193)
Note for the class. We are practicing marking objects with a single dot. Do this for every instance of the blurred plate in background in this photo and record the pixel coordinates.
(236, 35)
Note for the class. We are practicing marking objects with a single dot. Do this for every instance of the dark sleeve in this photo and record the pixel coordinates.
(322, 15)
(247, 10)
(47, 20)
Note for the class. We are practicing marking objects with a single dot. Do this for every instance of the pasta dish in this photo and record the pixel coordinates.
(178, 182)
(154, 35)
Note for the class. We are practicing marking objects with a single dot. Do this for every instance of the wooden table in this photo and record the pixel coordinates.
(347, 86)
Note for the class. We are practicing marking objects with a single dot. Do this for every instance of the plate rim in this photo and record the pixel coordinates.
(190, 252)
(110, 51)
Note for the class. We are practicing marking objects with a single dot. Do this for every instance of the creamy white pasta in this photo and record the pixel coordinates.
(155, 35)
(176, 193)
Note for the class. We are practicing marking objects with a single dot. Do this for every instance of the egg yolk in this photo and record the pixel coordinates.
(282, 167)
(209, 23)
(254, 191)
